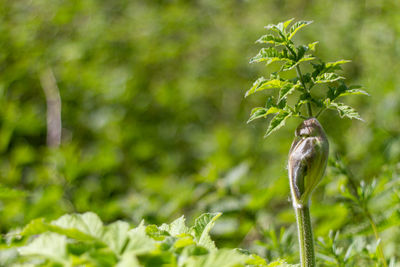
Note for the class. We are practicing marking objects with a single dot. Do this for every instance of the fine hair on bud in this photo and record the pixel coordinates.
(308, 157)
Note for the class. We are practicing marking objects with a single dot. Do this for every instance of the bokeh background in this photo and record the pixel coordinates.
(154, 117)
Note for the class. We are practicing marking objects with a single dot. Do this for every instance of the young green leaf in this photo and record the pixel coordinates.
(280, 28)
(327, 78)
(288, 89)
(139, 242)
(270, 55)
(277, 122)
(50, 246)
(220, 258)
(259, 112)
(296, 27)
(175, 228)
(271, 39)
(343, 110)
(115, 236)
(353, 90)
(263, 84)
(202, 227)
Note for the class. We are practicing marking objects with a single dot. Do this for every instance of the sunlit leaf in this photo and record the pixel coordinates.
(311, 46)
(288, 89)
(328, 78)
(115, 236)
(270, 55)
(202, 227)
(220, 258)
(277, 122)
(48, 245)
(271, 39)
(343, 110)
(354, 91)
(263, 84)
(139, 242)
(331, 66)
(259, 112)
(176, 228)
(287, 23)
(290, 64)
(296, 27)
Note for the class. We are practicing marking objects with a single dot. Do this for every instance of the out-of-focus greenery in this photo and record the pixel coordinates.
(154, 119)
(83, 240)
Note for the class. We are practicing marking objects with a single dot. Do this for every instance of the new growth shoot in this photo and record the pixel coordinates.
(308, 155)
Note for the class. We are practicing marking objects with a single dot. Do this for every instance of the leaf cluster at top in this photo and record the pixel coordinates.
(282, 49)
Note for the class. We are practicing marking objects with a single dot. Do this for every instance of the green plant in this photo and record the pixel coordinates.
(308, 155)
(83, 239)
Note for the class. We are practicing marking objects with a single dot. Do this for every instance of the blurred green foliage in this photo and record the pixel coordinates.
(154, 119)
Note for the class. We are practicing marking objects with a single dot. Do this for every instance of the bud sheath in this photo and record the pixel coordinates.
(308, 157)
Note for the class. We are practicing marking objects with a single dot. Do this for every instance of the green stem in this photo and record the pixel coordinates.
(298, 71)
(306, 241)
(300, 75)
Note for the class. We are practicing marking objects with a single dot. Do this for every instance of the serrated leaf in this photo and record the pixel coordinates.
(220, 258)
(51, 246)
(354, 92)
(277, 122)
(286, 23)
(312, 46)
(35, 227)
(330, 66)
(128, 260)
(271, 39)
(156, 233)
(287, 90)
(297, 26)
(343, 110)
(270, 55)
(139, 242)
(327, 78)
(184, 241)
(256, 260)
(80, 225)
(263, 84)
(202, 227)
(176, 228)
(290, 64)
(115, 236)
(259, 112)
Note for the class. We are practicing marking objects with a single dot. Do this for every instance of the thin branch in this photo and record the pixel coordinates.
(300, 75)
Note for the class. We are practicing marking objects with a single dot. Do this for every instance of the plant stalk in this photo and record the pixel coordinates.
(306, 241)
(300, 75)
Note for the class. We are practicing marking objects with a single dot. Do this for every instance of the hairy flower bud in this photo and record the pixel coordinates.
(308, 157)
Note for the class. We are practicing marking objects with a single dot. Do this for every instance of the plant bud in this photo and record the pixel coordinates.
(308, 157)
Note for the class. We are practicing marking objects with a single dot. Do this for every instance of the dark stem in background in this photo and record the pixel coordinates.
(53, 102)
